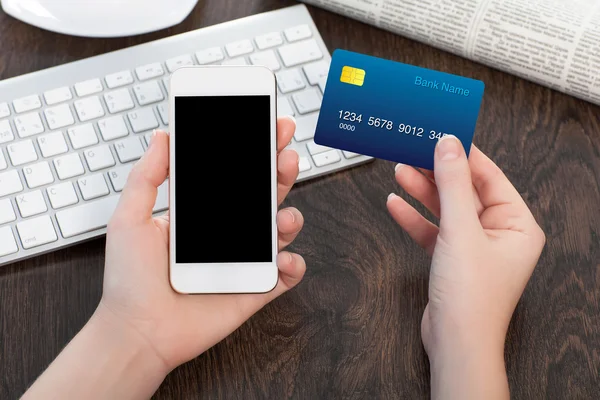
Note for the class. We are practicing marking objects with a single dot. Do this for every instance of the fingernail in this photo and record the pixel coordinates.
(284, 255)
(152, 138)
(398, 166)
(292, 214)
(391, 195)
(448, 147)
(292, 118)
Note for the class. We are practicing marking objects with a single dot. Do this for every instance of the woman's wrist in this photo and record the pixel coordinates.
(126, 349)
(107, 359)
(468, 371)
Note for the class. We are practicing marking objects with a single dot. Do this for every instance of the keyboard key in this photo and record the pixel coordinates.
(314, 148)
(162, 197)
(235, 61)
(3, 163)
(52, 144)
(163, 111)
(267, 59)
(93, 186)
(166, 82)
(10, 183)
(148, 138)
(59, 95)
(118, 176)
(142, 120)
(149, 71)
(289, 80)
(4, 110)
(82, 136)
(89, 108)
(62, 195)
(68, 166)
(96, 214)
(307, 101)
(29, 124)
(118, 79)
(322, 84)
(8, 245)
(7, 213)
(36, 232)
(86, 217)
(59, 116)
(147, 93)
(296, 33)
(208, 56)
(240, 47)
(118, 100)
(283, 107)
(300, 53)
(129, 149)
(113, 128)
(326, 158)
(316, 71)
(38, 174)
(305, 127)
(304, 164)
(88, 87)
(178, 62)
(6, 133)
(21, 152)
(99, 157)
(31, 203)
(27, 103)
(268, 40)
(349, 154)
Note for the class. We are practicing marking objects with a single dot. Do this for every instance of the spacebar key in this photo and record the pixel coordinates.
(87, 217)
(96, 214)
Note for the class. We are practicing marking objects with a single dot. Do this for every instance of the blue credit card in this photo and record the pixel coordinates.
(395, 111)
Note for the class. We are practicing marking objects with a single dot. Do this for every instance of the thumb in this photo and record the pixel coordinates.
(453, 179)
(139, 194)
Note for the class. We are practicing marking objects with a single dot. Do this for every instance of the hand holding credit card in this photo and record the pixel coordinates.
(395, 111)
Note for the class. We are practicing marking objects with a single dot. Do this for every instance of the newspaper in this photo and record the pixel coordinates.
(555, 43)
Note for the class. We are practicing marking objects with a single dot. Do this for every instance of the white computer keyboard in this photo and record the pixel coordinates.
(69, 135)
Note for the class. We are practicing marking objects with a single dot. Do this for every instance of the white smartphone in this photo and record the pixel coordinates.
(223, 180)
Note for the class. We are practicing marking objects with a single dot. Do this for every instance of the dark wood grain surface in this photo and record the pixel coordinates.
(351, 329)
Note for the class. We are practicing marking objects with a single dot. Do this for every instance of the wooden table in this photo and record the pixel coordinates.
(351, 329)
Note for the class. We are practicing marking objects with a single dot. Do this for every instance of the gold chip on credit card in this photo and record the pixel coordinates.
(353, 76)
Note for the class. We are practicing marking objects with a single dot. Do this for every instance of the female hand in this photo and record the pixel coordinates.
(142, 329)
(136, 290)
(483, 254)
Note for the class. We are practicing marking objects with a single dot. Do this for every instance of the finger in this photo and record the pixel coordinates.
(291, 271)
(287, 173)
(453, 180)
(491, 184)
(433, 200)
(286, 126)
(139, 194)
(289, 223)
(419, 187)
(428, 174)
(418, 227)
(291, 268)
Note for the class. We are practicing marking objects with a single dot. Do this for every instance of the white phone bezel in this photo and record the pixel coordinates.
(205, 278)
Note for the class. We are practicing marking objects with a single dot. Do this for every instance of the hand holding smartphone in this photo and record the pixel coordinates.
(223, 125)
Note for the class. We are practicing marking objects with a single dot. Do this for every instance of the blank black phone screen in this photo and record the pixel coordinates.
(223, 171)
